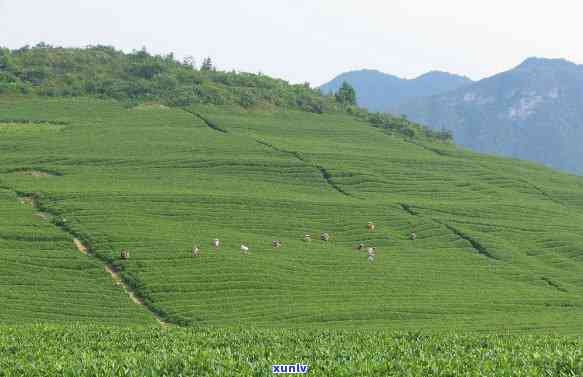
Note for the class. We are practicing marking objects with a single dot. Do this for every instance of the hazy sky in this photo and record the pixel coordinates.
(312, 40)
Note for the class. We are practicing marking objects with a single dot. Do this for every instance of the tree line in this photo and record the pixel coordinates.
(104, 72)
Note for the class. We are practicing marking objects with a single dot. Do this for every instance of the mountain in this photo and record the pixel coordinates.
(379, 91)
(533, 112)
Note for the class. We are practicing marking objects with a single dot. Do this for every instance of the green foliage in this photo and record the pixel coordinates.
(104, 72)
(346, 95)
(138, 76)
(401, 125)
(498, 245)
(498, 240)
(207, 65)
(104, 351)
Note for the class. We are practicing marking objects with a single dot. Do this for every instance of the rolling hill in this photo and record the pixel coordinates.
(378, 91)
(499, 242)
(530, 112)
(497, 239)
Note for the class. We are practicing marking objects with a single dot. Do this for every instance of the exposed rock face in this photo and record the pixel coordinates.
(534, 112)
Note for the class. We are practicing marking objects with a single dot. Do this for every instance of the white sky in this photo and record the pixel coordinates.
(303, 40)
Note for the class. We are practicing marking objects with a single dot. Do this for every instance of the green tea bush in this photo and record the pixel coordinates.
(101, 351)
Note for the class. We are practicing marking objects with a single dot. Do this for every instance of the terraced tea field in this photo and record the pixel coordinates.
(499, 241)
(44, 278)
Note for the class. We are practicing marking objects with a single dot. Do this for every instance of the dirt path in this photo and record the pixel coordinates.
(33, 202)
(119, 281)
(43, 215)
(80, 246)
(35, 173)
(28, 200)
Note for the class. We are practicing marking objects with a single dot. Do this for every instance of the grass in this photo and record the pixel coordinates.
(499, 244)
(81, 350)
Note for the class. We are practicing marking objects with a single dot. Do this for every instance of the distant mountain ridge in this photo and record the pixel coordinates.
(533, 112)
(379, 91)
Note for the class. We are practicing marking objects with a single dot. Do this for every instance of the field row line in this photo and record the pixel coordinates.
(325, 173)
(33, 201)
(476, 245)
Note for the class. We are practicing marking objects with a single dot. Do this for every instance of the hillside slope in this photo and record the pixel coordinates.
(499, 242)
(379, 91)
(45, 278)
(533, 112)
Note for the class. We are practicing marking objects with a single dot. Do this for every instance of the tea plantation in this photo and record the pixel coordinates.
(102, 351)
(499, 245)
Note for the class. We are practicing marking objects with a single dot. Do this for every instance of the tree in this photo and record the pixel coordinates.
(189, 61)
(207, 65)
(445, 135)
(346, 95)
(6, 61)
(408, 132)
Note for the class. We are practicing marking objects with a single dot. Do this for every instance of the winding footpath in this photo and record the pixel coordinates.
(86, 250)
(119, 281)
